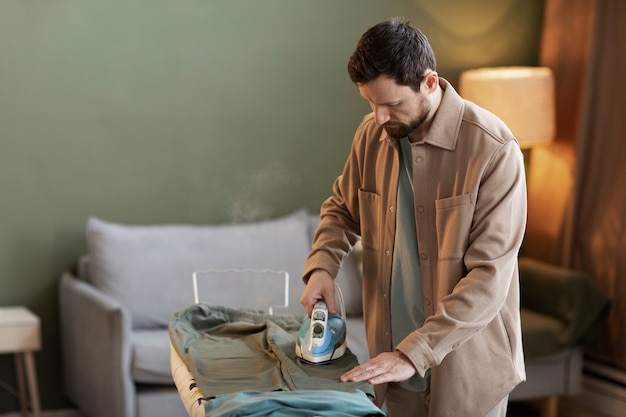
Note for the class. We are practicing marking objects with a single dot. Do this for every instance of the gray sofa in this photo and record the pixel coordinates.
(114, 308)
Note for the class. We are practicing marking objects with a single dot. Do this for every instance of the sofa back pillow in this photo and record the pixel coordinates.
(148, 269)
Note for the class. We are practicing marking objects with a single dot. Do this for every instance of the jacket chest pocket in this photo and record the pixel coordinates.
(370, 212)
(453, 222)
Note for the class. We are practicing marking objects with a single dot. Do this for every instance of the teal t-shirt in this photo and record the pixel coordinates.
(407, 301)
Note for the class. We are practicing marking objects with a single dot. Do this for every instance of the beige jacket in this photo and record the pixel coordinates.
(470, 210)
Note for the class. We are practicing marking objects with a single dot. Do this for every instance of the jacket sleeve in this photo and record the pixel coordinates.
(339, 228)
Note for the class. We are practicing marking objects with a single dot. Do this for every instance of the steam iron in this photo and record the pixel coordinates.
(322, 337)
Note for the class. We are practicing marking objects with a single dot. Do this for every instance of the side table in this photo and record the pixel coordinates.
(20, 334)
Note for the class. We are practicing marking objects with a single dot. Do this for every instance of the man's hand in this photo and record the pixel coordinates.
(386, 367)
(319, 287)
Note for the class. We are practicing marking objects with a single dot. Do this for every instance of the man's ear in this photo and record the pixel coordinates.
(431, 81)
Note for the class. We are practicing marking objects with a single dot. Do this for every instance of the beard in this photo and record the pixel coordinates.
(398, 130)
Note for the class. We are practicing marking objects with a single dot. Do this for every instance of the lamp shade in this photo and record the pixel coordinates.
(523, 97)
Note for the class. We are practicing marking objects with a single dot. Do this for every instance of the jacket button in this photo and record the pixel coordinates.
(420, 209)
(391, 209)
(427, 301)
(423, 256)
(419, 160)
(387, 253)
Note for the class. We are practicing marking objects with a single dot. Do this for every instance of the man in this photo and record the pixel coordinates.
(434, 187)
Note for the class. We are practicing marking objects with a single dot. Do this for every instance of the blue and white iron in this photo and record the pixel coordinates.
(322, 337)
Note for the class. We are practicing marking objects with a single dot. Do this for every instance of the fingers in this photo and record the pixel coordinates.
(308, 300)
(319, 287)
(329, 298)
(359, 373)
(386, 367)
(372, 374)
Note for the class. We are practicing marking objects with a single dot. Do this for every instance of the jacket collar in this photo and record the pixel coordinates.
(444, 130)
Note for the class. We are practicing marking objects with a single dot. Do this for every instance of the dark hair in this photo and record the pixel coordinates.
(394, 48)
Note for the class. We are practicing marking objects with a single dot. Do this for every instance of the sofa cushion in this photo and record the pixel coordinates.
(540, 333)
(151, 357)
(148, 269)
(569, 296)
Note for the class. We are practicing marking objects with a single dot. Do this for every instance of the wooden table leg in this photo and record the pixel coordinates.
(21, 387)
(31, 373)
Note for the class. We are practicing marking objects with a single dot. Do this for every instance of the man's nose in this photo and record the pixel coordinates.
(382, 116)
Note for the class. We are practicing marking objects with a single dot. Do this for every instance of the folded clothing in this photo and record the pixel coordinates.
(229, 351)
(294, 404)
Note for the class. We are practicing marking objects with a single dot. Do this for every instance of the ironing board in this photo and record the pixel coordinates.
(264, 292)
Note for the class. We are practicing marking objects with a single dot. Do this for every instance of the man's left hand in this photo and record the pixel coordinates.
(386, 367)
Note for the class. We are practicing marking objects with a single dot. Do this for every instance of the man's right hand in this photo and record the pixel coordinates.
(320, 286)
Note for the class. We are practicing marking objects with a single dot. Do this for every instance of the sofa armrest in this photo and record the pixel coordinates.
(568, 296)
(96, 350)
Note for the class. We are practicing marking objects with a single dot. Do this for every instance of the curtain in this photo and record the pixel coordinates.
(596, 237)
(551, 168)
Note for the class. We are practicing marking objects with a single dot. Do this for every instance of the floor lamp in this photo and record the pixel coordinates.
(523, 97)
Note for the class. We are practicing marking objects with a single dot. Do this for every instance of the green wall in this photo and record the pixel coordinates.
(181, 111)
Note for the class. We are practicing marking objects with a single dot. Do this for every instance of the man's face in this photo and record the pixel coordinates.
(398, 108)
